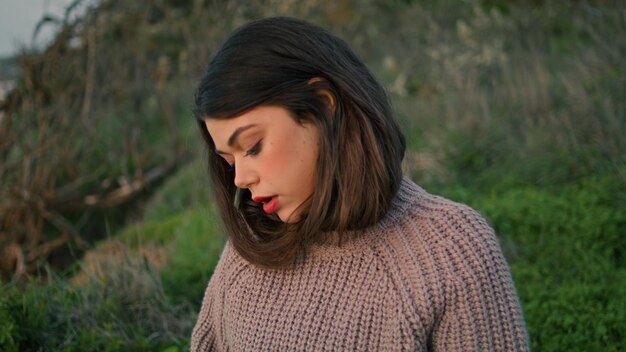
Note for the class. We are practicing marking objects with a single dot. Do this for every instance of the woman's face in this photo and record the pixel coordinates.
(274, 157)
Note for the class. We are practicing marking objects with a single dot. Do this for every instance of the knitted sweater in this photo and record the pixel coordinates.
(430, 276)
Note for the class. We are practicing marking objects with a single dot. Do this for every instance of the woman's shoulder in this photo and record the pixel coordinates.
(433, 232)
(447, 258)
(413, 203)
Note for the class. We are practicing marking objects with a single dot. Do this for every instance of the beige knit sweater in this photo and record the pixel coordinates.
(429, 277)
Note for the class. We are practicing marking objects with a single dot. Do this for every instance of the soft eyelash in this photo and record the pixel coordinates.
(252, 151)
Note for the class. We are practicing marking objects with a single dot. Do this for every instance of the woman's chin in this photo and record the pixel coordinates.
(287, 217)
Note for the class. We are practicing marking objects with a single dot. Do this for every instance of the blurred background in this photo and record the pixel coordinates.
(108, 234)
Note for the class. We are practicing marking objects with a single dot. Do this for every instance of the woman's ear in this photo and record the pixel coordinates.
(324, 92)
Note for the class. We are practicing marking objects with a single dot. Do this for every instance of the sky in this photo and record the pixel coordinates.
(18, 19)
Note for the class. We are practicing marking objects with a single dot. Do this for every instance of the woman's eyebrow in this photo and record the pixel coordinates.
(233, 137)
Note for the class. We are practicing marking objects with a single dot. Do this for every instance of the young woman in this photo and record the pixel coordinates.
(329, 246)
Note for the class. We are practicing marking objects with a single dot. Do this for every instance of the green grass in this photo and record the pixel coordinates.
(182, 217)
(124, 311)
(194, 242)
(127, 305)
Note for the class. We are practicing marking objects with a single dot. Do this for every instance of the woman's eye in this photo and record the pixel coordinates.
(254, 150)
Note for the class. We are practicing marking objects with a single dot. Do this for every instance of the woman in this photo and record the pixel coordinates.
(330, 247)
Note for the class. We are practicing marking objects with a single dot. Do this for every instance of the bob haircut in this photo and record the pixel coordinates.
(287, 62)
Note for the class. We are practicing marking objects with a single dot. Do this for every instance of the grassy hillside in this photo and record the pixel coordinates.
(516, 109)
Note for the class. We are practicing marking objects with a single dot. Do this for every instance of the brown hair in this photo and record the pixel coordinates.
(286, 62)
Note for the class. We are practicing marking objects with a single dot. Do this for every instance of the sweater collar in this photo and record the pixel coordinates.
(407, 196)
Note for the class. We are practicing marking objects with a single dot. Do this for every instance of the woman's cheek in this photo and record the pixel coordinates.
(269, 167)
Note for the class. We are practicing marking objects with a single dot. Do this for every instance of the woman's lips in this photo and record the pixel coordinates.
(270, 204)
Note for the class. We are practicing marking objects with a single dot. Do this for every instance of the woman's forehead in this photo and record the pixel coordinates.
(224, 132)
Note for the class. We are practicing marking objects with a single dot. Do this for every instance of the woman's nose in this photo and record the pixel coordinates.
(244, 176)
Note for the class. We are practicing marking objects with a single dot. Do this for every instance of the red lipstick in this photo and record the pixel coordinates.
(270, 204)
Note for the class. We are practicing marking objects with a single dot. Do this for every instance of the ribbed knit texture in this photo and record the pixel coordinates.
(430, 276)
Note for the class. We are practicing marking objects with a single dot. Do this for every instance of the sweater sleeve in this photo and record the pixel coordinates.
(481, 310)
(204, 336)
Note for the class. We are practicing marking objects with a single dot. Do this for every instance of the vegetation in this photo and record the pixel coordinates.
(516, 109)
